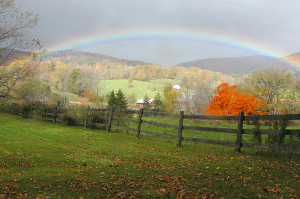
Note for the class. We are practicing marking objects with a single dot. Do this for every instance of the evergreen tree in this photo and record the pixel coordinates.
(121, 104)
(146, 104)
(158, 105)
(111, 100)
(121, 101)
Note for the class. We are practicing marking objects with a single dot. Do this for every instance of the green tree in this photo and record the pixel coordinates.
(276, 88)
(117, 101)
(111, 104)
(169, 99)
(121, 104)
(121, 101)
(158, 105)
(33, 90)
(77, 83)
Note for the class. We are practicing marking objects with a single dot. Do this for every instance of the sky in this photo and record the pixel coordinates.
(169, 32)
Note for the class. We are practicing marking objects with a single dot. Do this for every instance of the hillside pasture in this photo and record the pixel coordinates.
(42, 160)
(71, 97)
(138, 88)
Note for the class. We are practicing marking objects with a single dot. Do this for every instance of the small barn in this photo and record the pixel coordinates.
(140, 103)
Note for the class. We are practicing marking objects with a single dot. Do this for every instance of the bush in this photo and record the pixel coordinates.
(26, 110)
(97, 117)
(278, 139)
(75, 115)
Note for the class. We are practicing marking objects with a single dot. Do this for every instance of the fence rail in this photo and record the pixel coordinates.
(53, 113)
(181, 128)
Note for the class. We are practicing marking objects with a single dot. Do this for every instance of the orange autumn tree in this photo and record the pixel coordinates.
(228, 102)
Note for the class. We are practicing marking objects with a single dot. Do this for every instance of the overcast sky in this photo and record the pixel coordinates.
(235, 27)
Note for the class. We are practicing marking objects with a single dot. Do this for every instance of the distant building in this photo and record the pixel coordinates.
(177, 88)
(140, 103)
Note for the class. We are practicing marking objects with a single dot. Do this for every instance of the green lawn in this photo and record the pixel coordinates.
(39, 159)
(139, 88)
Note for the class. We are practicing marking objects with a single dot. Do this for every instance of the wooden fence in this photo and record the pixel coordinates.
(107, 117)
(280, 129)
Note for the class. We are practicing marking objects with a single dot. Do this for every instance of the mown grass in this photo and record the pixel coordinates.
(138, 88)
(39, 159)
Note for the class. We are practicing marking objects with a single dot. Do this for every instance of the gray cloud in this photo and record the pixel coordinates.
(275, 23)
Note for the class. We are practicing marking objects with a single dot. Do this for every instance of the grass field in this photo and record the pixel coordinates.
(139, 88)
(43, 160)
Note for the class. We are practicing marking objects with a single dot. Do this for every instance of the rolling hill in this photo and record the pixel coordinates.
(242, 65)
(86, 58)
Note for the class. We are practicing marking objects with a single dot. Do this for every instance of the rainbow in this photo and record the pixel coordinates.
(238, 43)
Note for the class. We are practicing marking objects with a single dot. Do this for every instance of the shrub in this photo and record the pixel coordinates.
(96, 117)
(26, 110)
(10, 107)
(75, 115)
(278, 139)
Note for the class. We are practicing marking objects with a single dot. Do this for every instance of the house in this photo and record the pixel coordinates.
(140, 103)
(177, 88)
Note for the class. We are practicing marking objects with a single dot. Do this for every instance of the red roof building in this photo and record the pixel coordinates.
(140, 103)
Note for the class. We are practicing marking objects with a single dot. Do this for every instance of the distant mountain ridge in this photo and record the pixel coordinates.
(243, 65)
(231, 65)
(71, 56)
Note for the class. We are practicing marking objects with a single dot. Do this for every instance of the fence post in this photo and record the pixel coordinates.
(109, 120)
(87, 116)
(238, 143)
(54, 116)
(139, 124)
(42, 111)
(180, 127)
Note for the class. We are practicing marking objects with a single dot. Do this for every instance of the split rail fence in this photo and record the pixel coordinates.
(117, 119)
(280, 121)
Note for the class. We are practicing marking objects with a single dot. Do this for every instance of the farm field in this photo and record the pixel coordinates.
(39, 159)
(139, 88)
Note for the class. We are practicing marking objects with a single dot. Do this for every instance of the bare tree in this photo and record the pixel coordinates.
(15, 43)
(14, 29)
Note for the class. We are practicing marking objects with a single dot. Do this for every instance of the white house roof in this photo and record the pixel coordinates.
(176, 87)
(141, 101)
